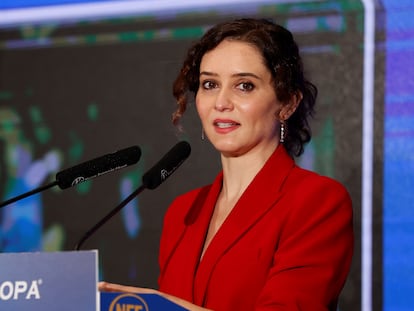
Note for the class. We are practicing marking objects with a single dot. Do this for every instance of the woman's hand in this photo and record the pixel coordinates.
(110, 287)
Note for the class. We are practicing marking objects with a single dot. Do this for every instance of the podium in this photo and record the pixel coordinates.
(136, 302)
(65, 281)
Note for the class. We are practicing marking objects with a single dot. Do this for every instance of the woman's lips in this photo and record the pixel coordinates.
(225, 126)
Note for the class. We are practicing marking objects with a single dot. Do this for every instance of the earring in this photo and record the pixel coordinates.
(282, 131)
(202, 133)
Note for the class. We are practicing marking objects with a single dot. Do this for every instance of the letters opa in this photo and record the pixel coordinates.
(20, 290)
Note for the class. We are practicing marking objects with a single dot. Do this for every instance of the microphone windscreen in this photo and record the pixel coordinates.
(98, 166)
(167, 165)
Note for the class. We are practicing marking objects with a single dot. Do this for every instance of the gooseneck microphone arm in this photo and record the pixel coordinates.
(150, 180)
(29, 193)
(108, 216)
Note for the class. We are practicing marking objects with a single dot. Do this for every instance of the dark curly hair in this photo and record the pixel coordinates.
(281, 55)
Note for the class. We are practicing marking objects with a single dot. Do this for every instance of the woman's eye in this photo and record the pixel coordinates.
(208, 85)
(245, 86)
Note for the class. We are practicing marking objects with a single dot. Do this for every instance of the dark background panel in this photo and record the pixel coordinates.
(109, 88)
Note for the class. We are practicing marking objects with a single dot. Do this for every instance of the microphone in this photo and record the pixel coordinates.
(97, 167)
(167, 165)
(87, 170)
(150, 180)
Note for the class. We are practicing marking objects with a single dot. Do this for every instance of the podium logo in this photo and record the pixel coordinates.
(128, 302)
(20, 290)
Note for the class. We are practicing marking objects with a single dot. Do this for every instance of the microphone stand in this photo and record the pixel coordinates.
(151, 180)
(24, 195)
(109, 216)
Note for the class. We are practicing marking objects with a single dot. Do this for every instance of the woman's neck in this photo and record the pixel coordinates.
(238, 172)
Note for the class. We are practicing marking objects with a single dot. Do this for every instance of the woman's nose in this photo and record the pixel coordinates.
(223, 101)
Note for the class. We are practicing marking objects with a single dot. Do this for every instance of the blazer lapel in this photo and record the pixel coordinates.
(190, 237)
(260, 195)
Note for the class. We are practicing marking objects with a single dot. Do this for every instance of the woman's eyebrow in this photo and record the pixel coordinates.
(239, 74)
(208, 73)
(246, 74)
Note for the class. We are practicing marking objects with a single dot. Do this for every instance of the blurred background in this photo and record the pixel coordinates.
(80, 79)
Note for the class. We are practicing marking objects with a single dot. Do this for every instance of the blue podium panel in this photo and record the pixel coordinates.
(136, 302)
(63, 281)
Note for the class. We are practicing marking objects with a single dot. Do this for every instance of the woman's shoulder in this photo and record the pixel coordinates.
(183, 202)
(309, 181)
(313, 198)
(304, 176)
(190, 195)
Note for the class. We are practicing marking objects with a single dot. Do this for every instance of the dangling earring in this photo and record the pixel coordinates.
(282, 131)
(202, 133)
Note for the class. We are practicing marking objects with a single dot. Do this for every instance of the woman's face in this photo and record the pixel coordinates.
(236, 100)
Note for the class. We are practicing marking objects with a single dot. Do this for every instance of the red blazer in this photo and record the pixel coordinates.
(286, 245)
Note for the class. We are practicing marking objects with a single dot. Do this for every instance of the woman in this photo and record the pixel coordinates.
(266, 235)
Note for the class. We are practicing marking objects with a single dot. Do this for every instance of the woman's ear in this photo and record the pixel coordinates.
(290, 107)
